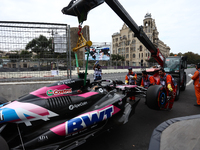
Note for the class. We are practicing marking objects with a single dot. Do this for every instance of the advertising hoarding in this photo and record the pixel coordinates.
(99, 51)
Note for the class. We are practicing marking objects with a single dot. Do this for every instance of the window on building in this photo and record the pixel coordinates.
(142, 55)
(139, 55)
(14, 65)
(127, 50)
(140, 48)
(24, 65)
(148, 29)
(127, 55)
(119, 50)
(133, 55)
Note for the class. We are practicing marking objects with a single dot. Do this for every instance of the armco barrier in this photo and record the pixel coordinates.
(13, 90)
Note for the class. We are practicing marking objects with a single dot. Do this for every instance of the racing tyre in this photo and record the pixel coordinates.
(156, 97)
(178, 89)
(3, 100)
(184, 83)
(4, 145)
(139, 79)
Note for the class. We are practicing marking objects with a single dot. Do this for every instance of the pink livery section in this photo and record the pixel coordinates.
(85, 120)
(122, 87)
(53, 91)
(88, 94)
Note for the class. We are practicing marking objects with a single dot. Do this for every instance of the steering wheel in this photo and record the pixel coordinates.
(110, 83)
(95, 83)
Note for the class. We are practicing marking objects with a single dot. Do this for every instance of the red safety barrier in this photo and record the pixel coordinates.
(26, 77)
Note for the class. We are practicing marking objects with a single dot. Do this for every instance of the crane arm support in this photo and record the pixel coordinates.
(80, 8)
(159, 57)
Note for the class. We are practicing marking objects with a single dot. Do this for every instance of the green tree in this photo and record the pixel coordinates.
(179, 54)
(42, 46)
(192, 58)
(14, 56)
(25, 54)
(117, 57)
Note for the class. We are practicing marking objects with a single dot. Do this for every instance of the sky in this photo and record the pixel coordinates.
(177, 21)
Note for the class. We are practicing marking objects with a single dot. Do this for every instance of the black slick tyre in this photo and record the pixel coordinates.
(3, 144)
(156, 97)
(184, 83)
(178, 89)
(138, 80)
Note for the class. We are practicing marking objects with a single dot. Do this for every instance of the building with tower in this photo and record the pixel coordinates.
(127, 45)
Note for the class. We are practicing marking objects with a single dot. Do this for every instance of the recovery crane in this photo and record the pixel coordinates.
(172, 65)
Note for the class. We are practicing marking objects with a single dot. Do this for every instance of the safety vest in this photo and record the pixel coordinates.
(146, 82)
(163, 80)
(130, 80)
(199, 77)
(97, 73)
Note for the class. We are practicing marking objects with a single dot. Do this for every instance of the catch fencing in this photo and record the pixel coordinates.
(31, 51)
(34, 50)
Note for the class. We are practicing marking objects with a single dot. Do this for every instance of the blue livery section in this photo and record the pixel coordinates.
(8, 114)
(86, 120)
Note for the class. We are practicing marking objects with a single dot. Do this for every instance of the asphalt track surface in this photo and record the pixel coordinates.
(136, 134)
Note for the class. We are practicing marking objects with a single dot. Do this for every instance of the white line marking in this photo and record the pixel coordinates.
(189, 82)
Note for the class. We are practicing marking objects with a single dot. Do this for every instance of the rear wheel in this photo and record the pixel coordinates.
(178, 89)
(138, 80)
(184, 83)
(156, 97)
(3, 143)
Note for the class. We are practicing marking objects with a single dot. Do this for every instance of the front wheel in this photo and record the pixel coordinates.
(3, 143)
(156, 97)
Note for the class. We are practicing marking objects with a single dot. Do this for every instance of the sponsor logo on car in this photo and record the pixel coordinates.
(71, 107)
(88, 119)
(58, 92)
